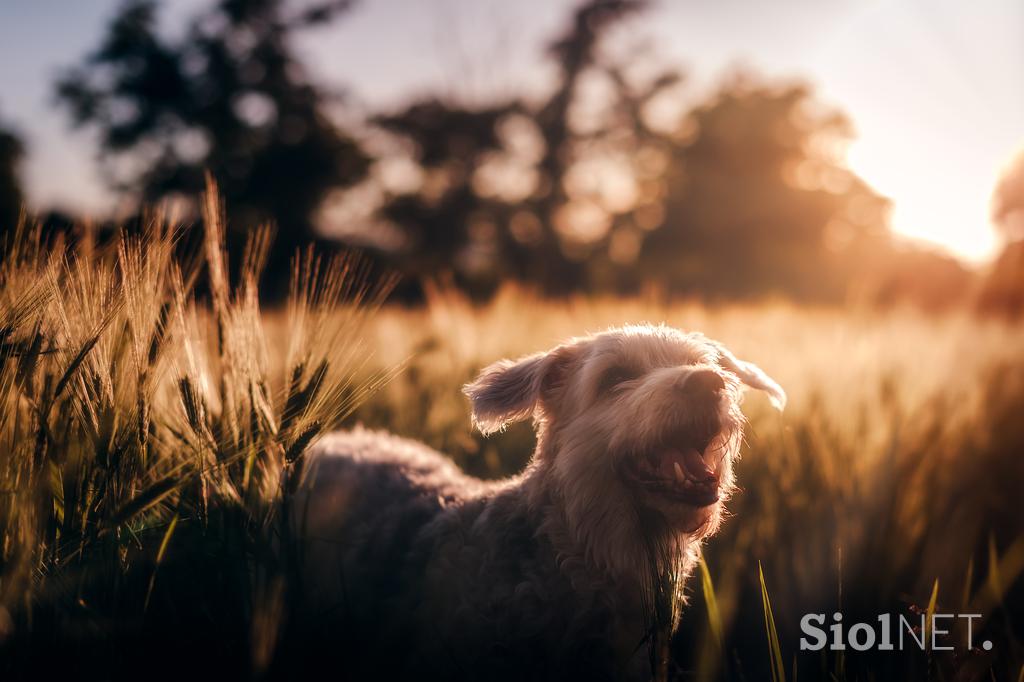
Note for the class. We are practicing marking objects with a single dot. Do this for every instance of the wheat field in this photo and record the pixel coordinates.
(154, 417)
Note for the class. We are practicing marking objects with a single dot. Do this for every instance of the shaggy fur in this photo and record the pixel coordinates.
(571, 570)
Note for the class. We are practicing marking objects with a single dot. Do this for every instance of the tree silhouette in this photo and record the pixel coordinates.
(487, 207)
(575, 52)
(440, 219)
(11, 152)
(1003, 288)
(1008, 201)
(759, 202)
(229, 97)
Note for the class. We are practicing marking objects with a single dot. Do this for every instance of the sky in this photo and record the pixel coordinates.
(934, 88)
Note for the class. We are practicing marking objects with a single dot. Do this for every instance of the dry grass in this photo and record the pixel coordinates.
(143, 428)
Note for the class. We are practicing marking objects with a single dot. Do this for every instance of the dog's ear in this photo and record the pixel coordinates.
(510, 391)
(753, 376)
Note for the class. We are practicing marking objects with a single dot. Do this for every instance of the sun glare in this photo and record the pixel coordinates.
(945, 203)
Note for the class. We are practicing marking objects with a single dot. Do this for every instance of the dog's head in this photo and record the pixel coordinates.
(639, 421)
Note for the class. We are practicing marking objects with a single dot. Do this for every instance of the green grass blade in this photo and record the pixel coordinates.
(930, 613)
(774, 650)
(711, 603)
(159, 559)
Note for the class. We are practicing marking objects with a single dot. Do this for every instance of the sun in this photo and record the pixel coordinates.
(938, 198)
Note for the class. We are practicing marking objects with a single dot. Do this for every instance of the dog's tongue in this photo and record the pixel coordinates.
(696, 465)
(690, 461)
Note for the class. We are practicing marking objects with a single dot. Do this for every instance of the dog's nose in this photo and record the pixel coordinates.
(704, 383)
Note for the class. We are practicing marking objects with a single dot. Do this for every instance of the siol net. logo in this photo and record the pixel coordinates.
(921, 634)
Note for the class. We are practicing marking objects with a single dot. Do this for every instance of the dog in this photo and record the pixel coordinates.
(574, 569)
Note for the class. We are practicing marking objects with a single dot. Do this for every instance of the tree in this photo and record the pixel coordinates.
(441, 218)
(229, 97)
(1003, 288)
(493, 194)
(11, 198)
(1008, 201)
(748, 196)
(759, 201)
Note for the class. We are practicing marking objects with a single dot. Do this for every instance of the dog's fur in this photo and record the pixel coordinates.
(571, 570)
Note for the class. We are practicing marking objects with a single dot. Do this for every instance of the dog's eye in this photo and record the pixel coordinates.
(615, 376)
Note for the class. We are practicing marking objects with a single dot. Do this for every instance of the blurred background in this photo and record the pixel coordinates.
(837, 152)
(833, 189)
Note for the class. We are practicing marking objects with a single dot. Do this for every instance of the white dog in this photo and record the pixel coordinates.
(571, 570)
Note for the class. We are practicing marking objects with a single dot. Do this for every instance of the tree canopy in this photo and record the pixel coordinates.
(11, 152)
(229, 97)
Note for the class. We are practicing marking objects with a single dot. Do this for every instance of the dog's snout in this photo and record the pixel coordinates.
(703, 383)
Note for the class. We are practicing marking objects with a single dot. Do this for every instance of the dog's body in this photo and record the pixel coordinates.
(450, 577)
(571, 570)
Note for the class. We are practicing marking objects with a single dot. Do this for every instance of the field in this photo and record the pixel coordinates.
(153, 418)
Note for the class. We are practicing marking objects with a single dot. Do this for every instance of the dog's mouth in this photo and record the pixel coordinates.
(685, 471)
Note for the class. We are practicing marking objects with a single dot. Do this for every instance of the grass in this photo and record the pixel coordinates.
(775, 653)
(153, 417)
(147, 437)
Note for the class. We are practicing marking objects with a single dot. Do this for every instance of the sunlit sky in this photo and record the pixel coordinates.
(935, 88)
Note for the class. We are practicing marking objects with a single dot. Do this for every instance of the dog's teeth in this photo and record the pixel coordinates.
(679, 472)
